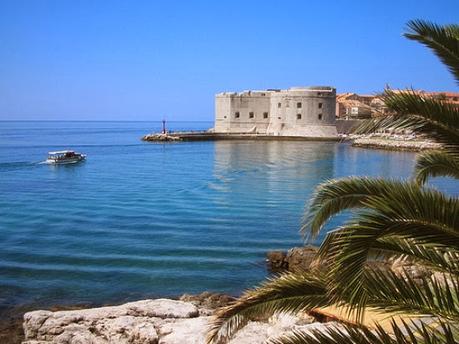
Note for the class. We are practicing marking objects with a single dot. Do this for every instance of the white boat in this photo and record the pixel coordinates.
(64, 157)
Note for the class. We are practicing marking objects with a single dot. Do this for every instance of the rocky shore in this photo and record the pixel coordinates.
(394, 142)
(160, 321)
(186, 320)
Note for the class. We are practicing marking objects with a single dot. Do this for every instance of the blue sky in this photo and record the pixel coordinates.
(143, 60)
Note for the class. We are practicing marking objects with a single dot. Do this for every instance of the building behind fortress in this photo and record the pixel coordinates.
(298, 111)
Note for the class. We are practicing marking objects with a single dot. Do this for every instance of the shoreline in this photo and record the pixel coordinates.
(12, 318)
(167, 319)
(394, 143)
(164, 321)
(382, 142)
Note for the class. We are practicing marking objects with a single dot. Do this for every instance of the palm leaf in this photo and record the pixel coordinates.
(442, 40)
(436, 163)
(410, 102)
(402, 200)
(437, 296)
(337, 195)
(347, 251)
(435, 257)
(400, 334)
(286, 293)
(421, 114)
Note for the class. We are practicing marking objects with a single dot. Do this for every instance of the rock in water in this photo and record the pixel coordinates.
(276, 261)
(300, 258)
(296, 259)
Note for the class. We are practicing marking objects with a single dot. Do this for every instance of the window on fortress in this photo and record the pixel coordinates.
(298, 105)
(251, 115)
(265, 115)
(236, 115)
(320, 105)
(298, 116)
(319, 116)
(279, 105)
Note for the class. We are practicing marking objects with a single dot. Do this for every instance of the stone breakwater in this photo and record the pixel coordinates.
(160, 321)
(397, 143)
(211, 136)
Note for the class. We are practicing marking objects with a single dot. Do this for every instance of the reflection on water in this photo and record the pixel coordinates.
(275, 170)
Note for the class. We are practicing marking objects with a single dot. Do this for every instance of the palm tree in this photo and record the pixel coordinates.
(406, 219)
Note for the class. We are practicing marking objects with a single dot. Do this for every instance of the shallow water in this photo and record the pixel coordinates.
(155, 219)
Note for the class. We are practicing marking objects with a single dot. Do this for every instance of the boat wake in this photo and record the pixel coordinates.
(18, 165)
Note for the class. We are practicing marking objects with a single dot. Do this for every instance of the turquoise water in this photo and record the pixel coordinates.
(142, 219)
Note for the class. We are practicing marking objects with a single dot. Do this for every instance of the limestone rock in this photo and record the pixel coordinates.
(254, 332)
(296, 259)
(190, 331)
(132, 322)
(159, 321)
(300, 258)
(276, 260)
(207, 302)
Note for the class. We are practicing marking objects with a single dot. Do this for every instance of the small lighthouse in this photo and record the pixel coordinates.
(164, 126)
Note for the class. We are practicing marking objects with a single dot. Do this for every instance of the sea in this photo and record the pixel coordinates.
(142, 220)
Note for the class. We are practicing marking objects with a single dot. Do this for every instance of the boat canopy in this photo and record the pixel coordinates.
(61, 152)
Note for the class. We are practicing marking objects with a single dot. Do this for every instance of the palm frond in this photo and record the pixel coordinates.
(442, 40)
(437, 296)
(421, 114)
(402, 200)
(436, 163)
(410, 102)
(348, 249)
(435, 257)
(286, 293)
(403, 333)
(337, 195)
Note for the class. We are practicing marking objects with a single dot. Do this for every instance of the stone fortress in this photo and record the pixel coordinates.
(297, 111)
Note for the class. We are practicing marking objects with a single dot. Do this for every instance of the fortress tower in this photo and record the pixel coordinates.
(298, 111)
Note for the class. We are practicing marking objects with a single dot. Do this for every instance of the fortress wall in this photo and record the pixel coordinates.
(243, 112)
(222, 108)
(292, 112)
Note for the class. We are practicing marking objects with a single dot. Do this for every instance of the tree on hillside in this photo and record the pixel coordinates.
(391, 219)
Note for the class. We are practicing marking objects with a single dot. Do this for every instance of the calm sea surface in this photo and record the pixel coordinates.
(142, 219)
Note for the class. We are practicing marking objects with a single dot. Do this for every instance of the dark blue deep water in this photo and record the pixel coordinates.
(142, 219)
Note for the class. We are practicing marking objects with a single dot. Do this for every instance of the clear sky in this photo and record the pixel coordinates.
(142, 60)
